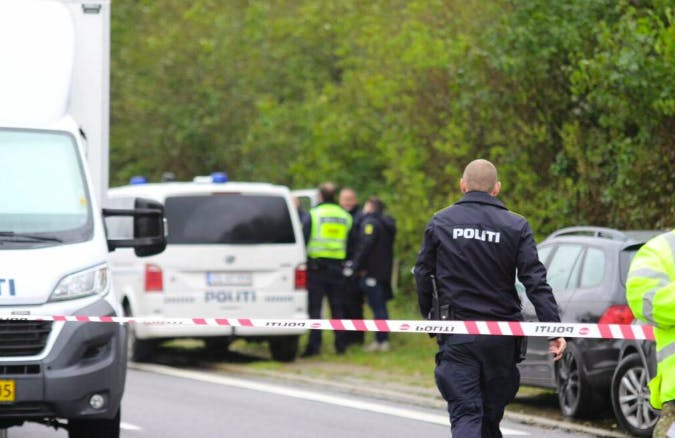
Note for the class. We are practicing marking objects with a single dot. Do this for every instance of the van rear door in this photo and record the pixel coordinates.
(231, 255)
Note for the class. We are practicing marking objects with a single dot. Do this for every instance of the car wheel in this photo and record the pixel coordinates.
(630, 397)
(100, 428)
(574, 392)
(138, 350)
(284, 348)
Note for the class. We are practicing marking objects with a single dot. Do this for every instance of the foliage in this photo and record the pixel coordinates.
(574, 101)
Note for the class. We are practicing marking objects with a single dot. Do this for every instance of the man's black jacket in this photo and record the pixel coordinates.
(474, 248)
(374, 251)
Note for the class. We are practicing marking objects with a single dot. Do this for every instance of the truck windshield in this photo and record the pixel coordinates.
(43, 195)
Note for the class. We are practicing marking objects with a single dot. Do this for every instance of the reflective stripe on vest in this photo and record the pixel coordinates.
(666, 352)
(648, 298)
(330, 229)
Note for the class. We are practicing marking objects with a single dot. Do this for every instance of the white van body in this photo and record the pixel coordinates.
(309, 198)
(234, 250)
(54, 88)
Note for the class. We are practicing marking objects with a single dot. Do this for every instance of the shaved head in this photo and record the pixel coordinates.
(480, 176)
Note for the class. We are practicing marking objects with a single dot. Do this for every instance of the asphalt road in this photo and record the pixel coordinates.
(167, 402)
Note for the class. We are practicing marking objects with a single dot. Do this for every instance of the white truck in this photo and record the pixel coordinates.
(54, 105)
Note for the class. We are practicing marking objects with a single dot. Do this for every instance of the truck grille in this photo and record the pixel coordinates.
(23, 338)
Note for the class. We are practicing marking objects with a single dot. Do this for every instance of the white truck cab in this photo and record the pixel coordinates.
(53, 242)
(234, 250)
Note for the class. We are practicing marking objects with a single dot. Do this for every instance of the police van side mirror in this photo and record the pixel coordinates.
(142, 227)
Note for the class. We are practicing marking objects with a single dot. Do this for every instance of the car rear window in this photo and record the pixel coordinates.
(229, 219)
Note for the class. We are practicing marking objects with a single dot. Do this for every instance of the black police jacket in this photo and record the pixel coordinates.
(374, 251)
(357, 215)
(474, 249)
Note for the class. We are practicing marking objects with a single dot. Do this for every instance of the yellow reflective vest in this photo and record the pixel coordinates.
(330, 230)
(650, 290)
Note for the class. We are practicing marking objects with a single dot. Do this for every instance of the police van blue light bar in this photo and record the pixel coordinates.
(139, 179)
(215, 177)
(219, 177)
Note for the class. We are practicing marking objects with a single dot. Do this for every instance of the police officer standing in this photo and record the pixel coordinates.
(373, 260)
(650, 291)
(353, 295)
(326, 232)
(470, 253)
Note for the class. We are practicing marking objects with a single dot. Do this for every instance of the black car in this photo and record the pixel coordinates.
(587, 268)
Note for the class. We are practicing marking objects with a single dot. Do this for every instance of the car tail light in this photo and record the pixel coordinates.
(301, 277)
(154, 282)
(617, 315)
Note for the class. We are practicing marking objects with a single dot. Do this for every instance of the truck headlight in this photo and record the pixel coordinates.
(91, 281)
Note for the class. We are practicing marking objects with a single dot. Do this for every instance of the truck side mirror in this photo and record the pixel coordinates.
(149, 227)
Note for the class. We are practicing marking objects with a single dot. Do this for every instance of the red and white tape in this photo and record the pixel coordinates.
(495, 328)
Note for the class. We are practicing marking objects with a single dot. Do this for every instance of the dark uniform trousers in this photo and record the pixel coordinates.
(478, 377)
(326, 279)
(353, 308)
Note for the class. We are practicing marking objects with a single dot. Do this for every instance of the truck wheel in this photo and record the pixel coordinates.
(575, 394)
(100, 428)
(284, 348)
(138, 350)
(630, 397)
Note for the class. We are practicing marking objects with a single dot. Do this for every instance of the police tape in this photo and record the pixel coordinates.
(494, 328)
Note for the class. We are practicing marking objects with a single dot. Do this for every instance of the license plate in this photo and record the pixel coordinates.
(7, 391)
(229, 278)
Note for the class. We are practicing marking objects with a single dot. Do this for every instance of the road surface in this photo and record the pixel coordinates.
(167, 402)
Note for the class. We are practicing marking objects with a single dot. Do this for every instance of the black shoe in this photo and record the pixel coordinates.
(309, 353)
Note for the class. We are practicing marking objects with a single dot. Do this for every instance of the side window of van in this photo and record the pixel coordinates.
(562, 265)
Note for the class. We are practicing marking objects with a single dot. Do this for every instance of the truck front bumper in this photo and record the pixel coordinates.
(85, 359)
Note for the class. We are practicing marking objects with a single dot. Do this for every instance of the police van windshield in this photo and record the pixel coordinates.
(43, 195)
(229, 219)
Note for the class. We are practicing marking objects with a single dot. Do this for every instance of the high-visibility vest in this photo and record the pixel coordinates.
(330, 230)
(650, 290)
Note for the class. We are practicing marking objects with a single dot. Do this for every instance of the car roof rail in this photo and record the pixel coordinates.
(590, 231)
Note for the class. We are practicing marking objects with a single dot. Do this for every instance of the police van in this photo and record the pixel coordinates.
(234, 250)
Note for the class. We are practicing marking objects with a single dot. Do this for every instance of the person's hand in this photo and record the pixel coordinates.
(557, 347)
(348, 269)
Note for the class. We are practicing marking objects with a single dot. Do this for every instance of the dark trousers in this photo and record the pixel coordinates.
(478, 377)
(326, 281)
(377, 301)
(353, 309)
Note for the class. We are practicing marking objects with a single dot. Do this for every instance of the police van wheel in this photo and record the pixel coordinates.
(574, 391)
(284, 348)
(630, 397)
(101, 428)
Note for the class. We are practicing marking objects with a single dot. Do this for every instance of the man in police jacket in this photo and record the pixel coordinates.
(373, 261)
(473, 249)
